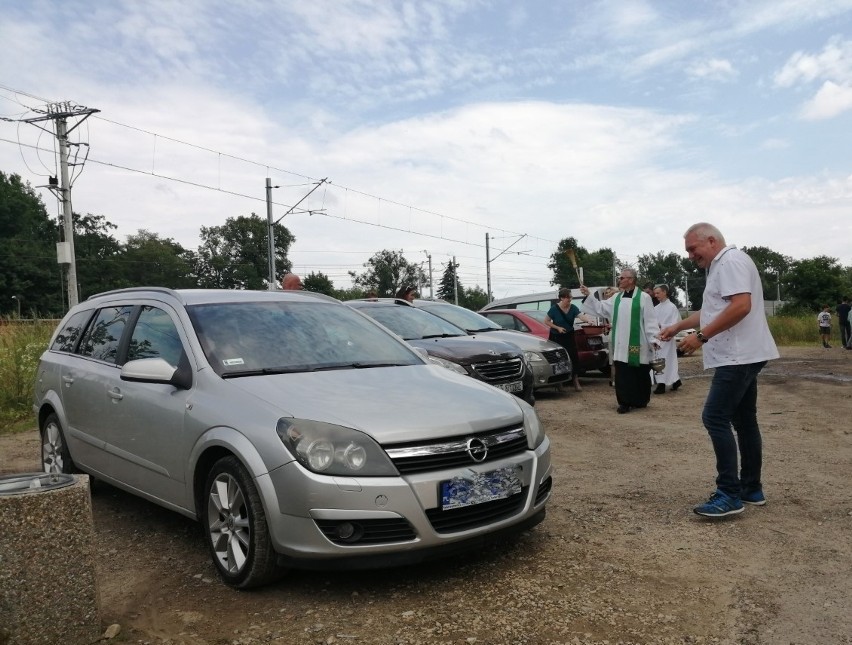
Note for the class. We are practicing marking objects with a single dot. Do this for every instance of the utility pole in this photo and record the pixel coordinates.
(60, 112)
(431, 293)
(488, 268)
(271, 225)
(270, 235)
(455, 282)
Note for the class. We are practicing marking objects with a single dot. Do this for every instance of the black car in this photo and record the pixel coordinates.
(495, 362)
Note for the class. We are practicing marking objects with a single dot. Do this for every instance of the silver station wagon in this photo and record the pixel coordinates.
(299, 432)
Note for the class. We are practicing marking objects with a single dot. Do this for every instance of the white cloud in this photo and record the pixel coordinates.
(713, 69)
(829, 101)
(834, 63)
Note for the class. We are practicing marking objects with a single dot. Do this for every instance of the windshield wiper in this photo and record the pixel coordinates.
(290, 369)
(441, 336)
(356, 365)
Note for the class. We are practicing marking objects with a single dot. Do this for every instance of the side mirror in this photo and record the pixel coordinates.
(157, 370)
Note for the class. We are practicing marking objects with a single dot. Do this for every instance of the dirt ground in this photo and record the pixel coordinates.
(620, 558)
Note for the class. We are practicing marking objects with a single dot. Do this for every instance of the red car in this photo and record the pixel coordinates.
(591, 349)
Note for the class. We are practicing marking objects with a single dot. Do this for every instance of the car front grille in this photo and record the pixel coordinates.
(555, 355)
(499, 370)
(476, 515)
(455, 452)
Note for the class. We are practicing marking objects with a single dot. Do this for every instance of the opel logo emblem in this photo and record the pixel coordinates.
(477, 449)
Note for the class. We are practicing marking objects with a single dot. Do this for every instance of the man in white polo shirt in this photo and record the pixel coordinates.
(736, 342)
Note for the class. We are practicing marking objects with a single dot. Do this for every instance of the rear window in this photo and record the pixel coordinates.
(102, 339)
(66, 339)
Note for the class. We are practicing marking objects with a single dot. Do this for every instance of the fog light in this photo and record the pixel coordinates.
(345, 530)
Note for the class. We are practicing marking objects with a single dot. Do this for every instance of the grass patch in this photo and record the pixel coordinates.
(21, 345)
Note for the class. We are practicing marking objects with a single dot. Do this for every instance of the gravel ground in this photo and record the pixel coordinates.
(620, 558)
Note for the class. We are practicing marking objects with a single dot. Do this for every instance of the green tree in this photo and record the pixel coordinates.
(665, 268)
(473, 298)
(28, 268)
(386, 272)
(597, 266)
(235, 255)
(148, 259)
(97, 254)
(449, 281)
(810, 284)
(771, 266)
(319, 283)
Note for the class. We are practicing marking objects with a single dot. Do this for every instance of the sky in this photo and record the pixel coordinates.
(439, 123)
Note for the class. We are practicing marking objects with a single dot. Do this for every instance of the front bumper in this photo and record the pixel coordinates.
(306, 507)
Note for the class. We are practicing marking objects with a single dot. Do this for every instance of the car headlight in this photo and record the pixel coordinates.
(455, 367)
(532, 426)
(533, 357)
(330, 449)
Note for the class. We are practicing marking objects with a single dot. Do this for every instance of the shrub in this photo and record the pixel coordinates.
(21, 345)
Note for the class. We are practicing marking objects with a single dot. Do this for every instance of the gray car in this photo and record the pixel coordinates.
(550, 362)
(297, 431)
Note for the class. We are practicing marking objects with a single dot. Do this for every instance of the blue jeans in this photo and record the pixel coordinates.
(732, 403)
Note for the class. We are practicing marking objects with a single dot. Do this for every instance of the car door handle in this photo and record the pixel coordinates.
(115, 394)
(68, 380)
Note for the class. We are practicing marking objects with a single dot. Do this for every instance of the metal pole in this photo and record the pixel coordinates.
(270, 236)
(431, 293)
(68, 222)
(455, 282)
(488, 268)
(18, 302)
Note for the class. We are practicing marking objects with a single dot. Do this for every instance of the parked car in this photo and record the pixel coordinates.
(591, 351)
(497, 363)
(550, 361)
(297, 431)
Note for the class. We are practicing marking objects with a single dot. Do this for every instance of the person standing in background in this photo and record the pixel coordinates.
(291, 282)
(633, 339)
(737, 343)
(824, 322)
(843, 311)
(560, 319)
(667, 314)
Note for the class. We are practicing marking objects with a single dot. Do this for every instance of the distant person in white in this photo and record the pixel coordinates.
(667, 315)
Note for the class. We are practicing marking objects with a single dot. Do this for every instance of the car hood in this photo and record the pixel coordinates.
(527, 342)
(467, 349)
(391, 404)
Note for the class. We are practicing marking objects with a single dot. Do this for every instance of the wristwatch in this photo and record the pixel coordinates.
(701, 337)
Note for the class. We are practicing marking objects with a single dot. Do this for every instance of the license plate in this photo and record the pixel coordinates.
(514, 386)
(561, 368)
(478, 488)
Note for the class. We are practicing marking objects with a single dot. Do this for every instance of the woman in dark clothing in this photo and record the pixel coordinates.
(560, 319)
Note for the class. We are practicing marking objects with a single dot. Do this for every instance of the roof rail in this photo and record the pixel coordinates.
(113, 292)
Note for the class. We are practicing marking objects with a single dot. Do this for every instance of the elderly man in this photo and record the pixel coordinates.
(667, 314)
(736, 342)
(291, 282)
(632, 339)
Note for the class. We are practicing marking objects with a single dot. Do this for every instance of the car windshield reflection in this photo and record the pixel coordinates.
(259, 338)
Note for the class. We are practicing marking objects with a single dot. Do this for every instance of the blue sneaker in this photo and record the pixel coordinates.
(719, 505)
(755, 498)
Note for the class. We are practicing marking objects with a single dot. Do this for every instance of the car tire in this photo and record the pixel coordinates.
(235, 526)
(55, 457)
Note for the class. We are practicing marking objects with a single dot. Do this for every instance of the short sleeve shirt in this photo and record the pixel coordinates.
(749, 341)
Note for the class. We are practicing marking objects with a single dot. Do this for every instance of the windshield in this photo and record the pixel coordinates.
(243, 338)
(461, 317)
(411, 323)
